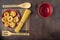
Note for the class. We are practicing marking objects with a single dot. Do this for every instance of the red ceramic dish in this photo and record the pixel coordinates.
(45, 10)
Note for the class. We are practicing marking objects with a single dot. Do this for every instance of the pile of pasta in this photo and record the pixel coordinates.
(10, 19)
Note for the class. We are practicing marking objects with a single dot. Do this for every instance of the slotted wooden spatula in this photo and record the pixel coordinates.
(8, 33)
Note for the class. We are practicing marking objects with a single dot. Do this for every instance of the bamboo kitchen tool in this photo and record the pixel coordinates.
(23, 19)
(23, 5)
(8, 33)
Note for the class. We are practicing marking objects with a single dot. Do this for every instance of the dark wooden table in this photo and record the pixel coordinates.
(41, 28)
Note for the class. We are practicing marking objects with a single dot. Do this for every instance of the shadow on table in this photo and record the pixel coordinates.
(55, 36)
(1, 38)
(50, 36)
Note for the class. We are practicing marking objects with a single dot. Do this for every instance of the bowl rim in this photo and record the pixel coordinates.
(51, 7)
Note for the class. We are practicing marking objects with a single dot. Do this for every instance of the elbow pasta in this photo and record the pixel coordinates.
(6, 24)
(4, 19)
(6, 14)
(16, 19)
(13, 13)
(10, 18)
(12, 24)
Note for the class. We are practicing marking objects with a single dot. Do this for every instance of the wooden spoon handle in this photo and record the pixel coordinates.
(6, 6)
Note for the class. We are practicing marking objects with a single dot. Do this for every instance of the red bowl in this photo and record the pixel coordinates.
(9, 11)
(45, 9)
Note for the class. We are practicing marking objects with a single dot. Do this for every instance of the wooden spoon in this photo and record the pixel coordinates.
(23, 5)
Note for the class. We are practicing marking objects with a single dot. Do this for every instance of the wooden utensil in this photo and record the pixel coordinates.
(23, 5)
(23, 19)
(8, 33)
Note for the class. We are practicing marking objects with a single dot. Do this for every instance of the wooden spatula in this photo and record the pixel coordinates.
(23, 5)
(23, 19)
(8, 33)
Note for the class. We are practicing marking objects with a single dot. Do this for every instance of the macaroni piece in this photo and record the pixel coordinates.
(12, 24)
(6, 24)
(4, 19)
(13, 13)
(6, 14)
(16, 19)
(10, 18)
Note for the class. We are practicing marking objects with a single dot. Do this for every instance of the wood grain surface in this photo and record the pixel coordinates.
(40, 28)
